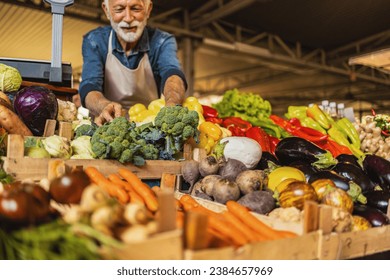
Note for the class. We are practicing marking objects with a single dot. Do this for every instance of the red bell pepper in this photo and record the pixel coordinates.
(236, 122)
(335, 148)
(294, 127)
(259, 135)
(209, 112)
(214, 120)
(273, 141)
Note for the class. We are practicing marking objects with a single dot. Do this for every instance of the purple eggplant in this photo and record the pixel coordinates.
(265, 158)
(378, 200)
(341, 182)
(356, 174)
(305, 167)
(345, 158)
(376, 217)
(378, 169)
(291, 149)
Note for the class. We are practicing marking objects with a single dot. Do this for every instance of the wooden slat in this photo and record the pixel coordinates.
(15, 146)
(166, 218)
(65, 130)
(50, 128)
(310, 216)
(36, 169)
(195, 230)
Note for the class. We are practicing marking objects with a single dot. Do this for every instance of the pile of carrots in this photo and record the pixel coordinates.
(236, 226)
(125, 186)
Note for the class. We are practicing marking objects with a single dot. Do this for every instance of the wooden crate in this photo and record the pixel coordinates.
(303, 247)
(162, 246)
(21, 167)
(356, 244)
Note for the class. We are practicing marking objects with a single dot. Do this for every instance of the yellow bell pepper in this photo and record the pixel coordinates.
(156, 105)
(136, 109)
(206, 142)
(211, 130)
(193, 104)
(139, 113)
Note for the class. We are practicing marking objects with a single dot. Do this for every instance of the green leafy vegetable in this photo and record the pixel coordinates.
(10, 78)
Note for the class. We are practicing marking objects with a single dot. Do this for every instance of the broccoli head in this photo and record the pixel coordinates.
(85, 129)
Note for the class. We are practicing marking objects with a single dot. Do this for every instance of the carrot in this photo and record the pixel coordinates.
(188, 203)
(179, 219)
(134, 197)
(111, 188)
(255, 224)
(140, 188)
(156, 189)
(242, 227)
(223, 227)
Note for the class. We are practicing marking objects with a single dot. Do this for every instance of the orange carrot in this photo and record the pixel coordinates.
(141, 188)
(111, 188)
(134, 197)
(188, 203)
(255, 224)
(223, 227)
(179, 219)
(242, 227)
(156, 189)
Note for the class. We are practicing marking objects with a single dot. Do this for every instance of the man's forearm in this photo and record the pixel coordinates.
(95, 102)
(174, 91)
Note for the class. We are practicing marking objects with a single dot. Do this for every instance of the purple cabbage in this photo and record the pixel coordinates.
(34, 105)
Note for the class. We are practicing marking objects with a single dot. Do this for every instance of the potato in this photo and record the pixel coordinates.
(12, 123)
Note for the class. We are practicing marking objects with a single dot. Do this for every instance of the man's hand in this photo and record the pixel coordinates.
(110, 111)
(174, 91)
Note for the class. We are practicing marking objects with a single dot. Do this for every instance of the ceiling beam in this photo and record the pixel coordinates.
(223, 11)
(202, 9)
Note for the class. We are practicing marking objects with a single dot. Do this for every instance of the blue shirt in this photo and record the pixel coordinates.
(160, 46)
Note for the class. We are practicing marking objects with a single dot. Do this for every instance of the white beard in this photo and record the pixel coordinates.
(129, 37)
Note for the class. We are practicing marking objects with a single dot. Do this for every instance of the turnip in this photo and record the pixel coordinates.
(250, 180)
(225, 190)
(260, 202)
(231, 168)
(208, 183)
(208, 166)
(190, 171)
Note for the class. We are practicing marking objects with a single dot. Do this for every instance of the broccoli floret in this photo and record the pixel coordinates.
(116, 149)
(85, 130)
(126, 156)
(188, 132)
(99, 149)
(178, 124)
(149, 151)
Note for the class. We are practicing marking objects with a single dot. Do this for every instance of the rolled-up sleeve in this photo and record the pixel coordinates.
(167, 61)
(92, 77)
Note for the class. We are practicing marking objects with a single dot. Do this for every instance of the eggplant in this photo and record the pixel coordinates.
(291, 149)
(356, 174)
(345, 158)
(376, 217)
(265, 158)
(305, 167)
(378, 169)
(378, 200)
(342, 183)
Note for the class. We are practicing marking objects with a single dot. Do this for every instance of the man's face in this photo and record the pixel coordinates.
(128, 18)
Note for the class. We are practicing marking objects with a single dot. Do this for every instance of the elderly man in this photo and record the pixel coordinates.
(128, 62)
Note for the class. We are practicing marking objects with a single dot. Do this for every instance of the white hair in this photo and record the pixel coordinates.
(147, 3)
